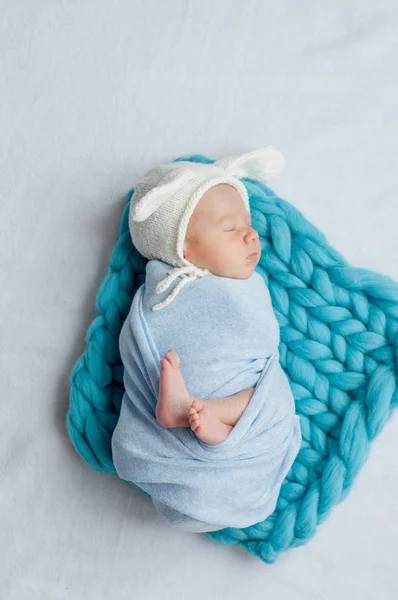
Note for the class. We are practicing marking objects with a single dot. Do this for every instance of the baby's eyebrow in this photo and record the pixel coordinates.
(225, 217)
(232, 216)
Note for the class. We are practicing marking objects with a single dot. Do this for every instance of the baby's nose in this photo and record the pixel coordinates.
(251, 235)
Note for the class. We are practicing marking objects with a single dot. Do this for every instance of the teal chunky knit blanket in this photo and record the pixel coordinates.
(339, 336)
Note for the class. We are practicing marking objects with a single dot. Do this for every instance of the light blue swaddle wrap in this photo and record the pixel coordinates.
(227, 337)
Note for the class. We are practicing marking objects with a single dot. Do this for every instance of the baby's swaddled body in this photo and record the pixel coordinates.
(227, 337)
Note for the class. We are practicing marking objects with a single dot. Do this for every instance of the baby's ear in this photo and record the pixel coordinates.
(260, 164)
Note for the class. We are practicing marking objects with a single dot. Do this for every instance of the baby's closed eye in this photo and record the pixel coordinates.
(233, 226)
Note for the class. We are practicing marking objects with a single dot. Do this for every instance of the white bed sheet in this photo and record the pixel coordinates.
(94, 93)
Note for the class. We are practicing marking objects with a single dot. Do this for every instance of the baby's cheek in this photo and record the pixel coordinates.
(222, 248)
(204, 252)
(228, 256)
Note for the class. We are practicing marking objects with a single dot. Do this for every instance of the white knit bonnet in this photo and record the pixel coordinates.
(166, 197)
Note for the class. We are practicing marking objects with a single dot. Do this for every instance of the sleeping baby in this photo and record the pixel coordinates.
(207, 425)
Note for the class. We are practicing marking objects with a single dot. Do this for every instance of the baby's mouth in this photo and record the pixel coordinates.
(252, 256)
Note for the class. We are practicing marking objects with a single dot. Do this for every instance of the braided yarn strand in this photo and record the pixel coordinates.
(339, 338)
(96, 382)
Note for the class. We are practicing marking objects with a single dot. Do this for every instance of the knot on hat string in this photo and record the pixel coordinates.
(188, 274)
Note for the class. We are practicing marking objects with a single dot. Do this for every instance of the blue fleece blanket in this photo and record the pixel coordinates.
(227, 337)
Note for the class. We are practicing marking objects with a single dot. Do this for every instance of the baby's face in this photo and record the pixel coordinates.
(220, 237)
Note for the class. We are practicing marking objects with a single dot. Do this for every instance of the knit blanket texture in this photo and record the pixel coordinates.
(338, 348)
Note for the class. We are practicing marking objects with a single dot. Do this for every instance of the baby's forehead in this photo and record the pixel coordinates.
(230, 209)
(221, 200)
(231, 212)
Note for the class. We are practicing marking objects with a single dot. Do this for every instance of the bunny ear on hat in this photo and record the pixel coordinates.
(167, 179)
(260, 164)
(173, 178)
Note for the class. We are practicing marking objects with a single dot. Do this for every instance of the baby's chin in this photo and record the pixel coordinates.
(235, 272)
(248, 271)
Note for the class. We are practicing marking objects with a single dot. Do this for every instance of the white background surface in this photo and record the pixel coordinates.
(93, 94)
